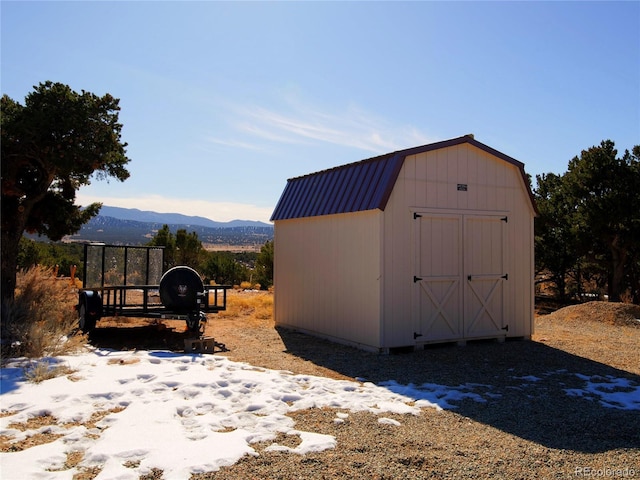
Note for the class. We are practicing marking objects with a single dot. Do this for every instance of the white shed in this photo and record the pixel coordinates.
(425, 245)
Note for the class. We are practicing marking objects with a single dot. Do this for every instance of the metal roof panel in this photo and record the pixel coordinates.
(360, 186)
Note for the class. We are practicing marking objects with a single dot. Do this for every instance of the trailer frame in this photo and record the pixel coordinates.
(110, 287)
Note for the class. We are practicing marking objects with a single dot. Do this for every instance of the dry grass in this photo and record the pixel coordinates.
(38, 430)
(41, 318)
(43, 370)
(249, 307)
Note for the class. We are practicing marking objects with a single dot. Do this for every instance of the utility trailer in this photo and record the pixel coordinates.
(129, 281)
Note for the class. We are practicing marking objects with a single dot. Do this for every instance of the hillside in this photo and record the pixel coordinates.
(130, 226)
(131, 232)
(173, 218)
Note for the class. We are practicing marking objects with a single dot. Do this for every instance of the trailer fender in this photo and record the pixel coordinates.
(89, 310)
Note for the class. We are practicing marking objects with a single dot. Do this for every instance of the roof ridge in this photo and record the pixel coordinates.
(406, 151)
(364, 184)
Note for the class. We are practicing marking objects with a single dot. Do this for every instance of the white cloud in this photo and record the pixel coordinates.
(217, 211)
(303, 123)
(233, 143)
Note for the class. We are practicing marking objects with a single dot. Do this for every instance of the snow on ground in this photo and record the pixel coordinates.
(612, 392)
(194, 413)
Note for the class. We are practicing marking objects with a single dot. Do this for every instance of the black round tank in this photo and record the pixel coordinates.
(179, 289)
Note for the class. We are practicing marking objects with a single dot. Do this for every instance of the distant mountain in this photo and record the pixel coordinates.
(173, 218)
(130, 226)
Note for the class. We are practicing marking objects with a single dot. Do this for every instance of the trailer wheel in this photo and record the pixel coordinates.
(180, 288)
(89, 310)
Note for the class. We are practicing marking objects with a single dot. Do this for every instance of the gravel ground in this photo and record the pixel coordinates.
(528, 428)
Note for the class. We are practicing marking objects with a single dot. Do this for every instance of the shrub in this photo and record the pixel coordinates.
(43, 370)
(41, 317)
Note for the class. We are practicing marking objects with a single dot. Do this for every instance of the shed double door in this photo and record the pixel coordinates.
(460, 276)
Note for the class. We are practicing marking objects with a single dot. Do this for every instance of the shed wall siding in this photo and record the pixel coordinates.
(429, 181)
(327, 276)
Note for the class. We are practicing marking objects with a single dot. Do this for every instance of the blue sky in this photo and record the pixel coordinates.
(223, 101)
